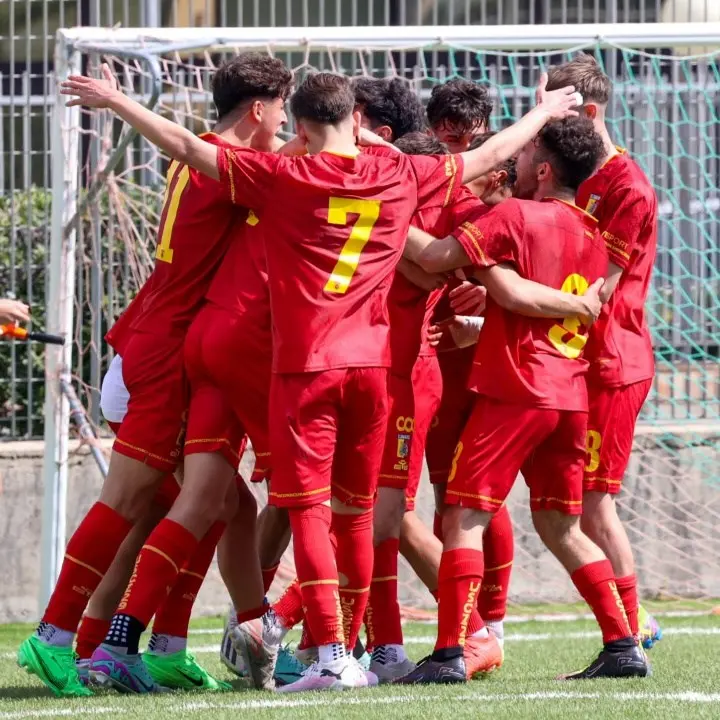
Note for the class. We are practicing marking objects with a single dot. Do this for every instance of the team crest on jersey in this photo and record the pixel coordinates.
(403, 452)
(592, 204)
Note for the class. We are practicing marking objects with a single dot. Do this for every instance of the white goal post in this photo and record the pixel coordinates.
(155, 61)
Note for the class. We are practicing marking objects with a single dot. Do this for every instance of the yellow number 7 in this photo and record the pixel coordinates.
(368, 212)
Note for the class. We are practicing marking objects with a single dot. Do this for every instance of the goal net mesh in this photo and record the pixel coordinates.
(664, 109)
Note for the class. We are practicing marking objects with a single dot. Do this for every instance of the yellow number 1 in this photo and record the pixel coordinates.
(368, 212)
(171, 202)
(566, 337)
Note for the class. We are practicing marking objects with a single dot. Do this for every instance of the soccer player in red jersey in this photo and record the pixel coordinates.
(620, 350)
(193, 235)
(328, 290)
(531, 410)
(455, 409)
(414, 388)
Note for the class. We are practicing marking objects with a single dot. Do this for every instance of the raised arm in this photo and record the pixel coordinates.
(525, 297)
(553, 105)
(171, 138)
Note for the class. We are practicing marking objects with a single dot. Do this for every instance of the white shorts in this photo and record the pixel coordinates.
(114, 395)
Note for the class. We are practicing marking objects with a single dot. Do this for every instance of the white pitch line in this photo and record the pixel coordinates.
(368, 699)
(517, 619)
(530, 637)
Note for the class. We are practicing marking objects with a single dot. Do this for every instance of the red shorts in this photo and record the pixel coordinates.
(611, 428)
(327, 431)
(413, 403)
(169, 489)
(153, 428)
(212, 426)
(501, 440)
(220, 353)
(452, 416)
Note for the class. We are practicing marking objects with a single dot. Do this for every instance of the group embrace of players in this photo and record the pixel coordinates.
(388, 286)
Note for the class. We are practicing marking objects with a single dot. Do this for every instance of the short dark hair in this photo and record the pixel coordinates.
(509, 166)
(572, 147)
(323, 97)
(584, 72)
(390, 102)
(461, 102)
(249, 76)
(421, 143)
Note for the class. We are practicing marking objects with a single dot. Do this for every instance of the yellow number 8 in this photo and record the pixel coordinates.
(456, 457)
(571, 347)
(593, 443)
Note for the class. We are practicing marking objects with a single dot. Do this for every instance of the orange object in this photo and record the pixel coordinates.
(482, 655)
(13, 331)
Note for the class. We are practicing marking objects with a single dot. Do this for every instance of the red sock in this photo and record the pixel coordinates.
(627, 587)
(596, 583)
(268, 575)
(289, 607)
(168, 549)
(354, 535)
(459, 581)
(317, 572)
(252, 614)
(383, 611)
(437, 526)
(306, 639)
(173, 615)
(89, 553)
(499, 550)
(91, 633)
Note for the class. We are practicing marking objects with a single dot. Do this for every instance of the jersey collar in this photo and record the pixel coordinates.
(584, 213)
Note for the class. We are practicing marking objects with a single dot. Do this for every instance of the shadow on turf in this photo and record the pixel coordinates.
(26, 693)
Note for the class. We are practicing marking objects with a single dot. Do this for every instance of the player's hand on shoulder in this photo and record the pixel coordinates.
(468, 298)
(593, 303)
(559, 103)
(294, 147)
(13, 311)
(367, 138)
(90, 91)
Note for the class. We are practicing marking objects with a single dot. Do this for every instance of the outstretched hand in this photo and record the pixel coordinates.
(468, 299)
(13, 311)
(559, 103)
(92, 92)
(463, 330)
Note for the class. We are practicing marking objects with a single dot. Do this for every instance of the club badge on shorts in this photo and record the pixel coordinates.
(403, 452)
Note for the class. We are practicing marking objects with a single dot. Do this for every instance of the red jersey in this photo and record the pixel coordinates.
(620, 196)
(535, 361)
(193, 235)
(411, 307)
(240, 284)
(334, 229)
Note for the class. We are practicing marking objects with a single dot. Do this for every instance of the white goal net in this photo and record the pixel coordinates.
(107, 193)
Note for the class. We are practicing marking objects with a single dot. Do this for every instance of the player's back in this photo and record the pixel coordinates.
(334, 228)
(194, 232)
(624, 202)
(538, 361)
